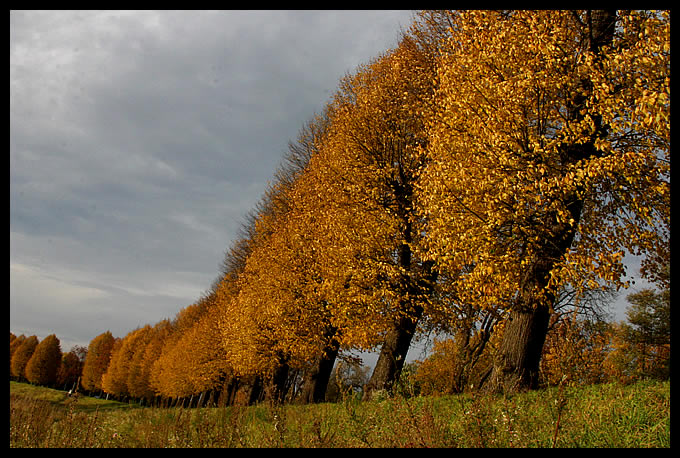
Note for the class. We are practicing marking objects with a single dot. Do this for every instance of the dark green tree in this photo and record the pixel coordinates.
(649, 331)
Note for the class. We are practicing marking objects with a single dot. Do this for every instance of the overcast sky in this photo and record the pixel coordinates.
(138, 142)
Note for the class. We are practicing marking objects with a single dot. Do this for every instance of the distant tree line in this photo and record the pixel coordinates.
(43, 363)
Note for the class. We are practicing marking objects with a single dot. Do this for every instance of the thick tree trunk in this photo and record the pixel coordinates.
(316, 379)
(279, 382)
(393, 354)
(227, 395)
(516, 367)
(256, 390)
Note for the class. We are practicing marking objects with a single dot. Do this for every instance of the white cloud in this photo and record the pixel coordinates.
(40, 287)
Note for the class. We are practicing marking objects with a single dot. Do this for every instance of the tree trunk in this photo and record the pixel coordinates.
(392, 354)
(415, 284)
(248, 390)
(516, 366)
(256, 390)
(226, 396)
(316, 379)
(279, 386)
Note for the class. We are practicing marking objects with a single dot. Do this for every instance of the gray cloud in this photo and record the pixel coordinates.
(139, 140)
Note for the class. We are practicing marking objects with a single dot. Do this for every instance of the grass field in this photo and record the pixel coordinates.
(606, 415)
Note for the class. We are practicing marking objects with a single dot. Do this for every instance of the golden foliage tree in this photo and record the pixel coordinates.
(365, 172)
(185, 356)
(137, 381)
(181, 324)
(42, 368)
(279, 320)
(115, 379)
(14, 343)
(575, 352)
(549, 158)
(22, 355)
(274, 319)
(150, 355)
(97, 361)
(194, 362)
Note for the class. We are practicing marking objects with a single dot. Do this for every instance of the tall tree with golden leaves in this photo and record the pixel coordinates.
(150, 355)
(42, 368)
(367, 168)
(195, 361)
(97, 361)
(115, 379)
(549, 158)
(137, 379)
(22, 355)
(14, 343)
(279, 286)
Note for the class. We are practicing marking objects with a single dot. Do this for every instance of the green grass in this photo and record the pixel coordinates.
(60, 398)
(606, 415)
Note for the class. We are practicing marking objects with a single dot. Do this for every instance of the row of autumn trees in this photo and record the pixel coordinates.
(464, 182)
(582, 347)
(43, 363)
